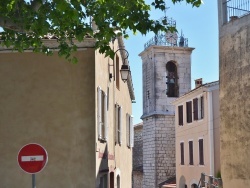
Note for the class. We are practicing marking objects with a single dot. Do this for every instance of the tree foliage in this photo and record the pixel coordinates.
(26, 22)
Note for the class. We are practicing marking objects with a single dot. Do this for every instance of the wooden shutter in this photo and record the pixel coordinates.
(120, 125)
(195, 106)
(191, 160)
(201, 152)
(99, 112)
(182, 153)
(116, 123)
(189, 111)
(131, 133)
(105, 123)
(202, 107)
(180, 114)
(127, 129)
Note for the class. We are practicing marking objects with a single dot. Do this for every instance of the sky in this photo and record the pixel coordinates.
(200, 26)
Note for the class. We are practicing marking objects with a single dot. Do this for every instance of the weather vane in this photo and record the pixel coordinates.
(166, 8)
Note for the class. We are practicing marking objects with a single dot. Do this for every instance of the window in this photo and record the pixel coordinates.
(171, 80)
(201, 152)
(180, 114)
(117, 72)
(103, 181)
(191, 159)
(130, 131)
(182, 153)
(198, 106)
(102, 115)
(111, 180)
(118, 181)
(189, 111)
(202, 107)
(195, 107)
(118, 123)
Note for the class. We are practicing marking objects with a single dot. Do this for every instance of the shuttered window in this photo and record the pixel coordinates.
(201, 152)
(130, 131)
(191, 159)
(180, 114)
(182, 153)
(102, 119)
(195, 107)
(189, 111)
(202, 107)
(118, 122)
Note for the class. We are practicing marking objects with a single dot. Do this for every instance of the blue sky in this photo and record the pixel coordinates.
(200, 26)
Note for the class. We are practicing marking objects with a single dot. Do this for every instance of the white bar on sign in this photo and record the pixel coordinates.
(32, 158)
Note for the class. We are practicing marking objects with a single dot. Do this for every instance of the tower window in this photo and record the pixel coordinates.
(171, 80)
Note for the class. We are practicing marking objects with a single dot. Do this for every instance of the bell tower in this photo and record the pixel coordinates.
(166, 66)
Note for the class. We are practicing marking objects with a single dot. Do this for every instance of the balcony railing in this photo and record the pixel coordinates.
(236, 9)
(164, 39)
(161, 40)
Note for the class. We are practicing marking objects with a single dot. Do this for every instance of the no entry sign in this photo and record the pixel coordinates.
(32, 158)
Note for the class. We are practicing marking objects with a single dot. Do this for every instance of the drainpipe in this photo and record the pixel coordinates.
(210, 130)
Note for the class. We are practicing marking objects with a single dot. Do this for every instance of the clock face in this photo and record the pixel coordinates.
(172, 38)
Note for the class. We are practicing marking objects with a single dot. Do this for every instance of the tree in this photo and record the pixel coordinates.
(26, 22)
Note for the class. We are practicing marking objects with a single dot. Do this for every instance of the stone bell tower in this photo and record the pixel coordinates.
(166, 65)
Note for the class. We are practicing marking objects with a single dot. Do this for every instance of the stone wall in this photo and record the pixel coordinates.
(165, 147)
(137, 179)
(138, 147)
(158, 149)
(235, 101)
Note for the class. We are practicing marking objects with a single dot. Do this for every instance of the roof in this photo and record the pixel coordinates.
(203, 86)
(138, 125)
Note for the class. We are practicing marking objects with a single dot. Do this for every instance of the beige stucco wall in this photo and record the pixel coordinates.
(49, 101)
(200, 129)
(121, 164)
(234, 42)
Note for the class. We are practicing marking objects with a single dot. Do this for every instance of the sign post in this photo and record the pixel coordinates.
(32, 158)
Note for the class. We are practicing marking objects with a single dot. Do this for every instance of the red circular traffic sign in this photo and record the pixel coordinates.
(32, 158)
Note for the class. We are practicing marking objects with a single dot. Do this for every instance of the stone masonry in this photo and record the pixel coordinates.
(158, 112)
(234, 48)
(138, 156)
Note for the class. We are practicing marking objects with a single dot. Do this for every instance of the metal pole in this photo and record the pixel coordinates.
(202, 180)
(210, 182)
(33, 180)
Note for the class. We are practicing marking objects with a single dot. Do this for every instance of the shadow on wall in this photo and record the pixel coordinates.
(182, 182)
(102, 176)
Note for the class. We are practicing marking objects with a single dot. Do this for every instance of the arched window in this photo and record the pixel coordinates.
(194, 185)
(172, 80)
(118, 181)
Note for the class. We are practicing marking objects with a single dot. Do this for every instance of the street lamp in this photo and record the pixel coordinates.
(125, 70)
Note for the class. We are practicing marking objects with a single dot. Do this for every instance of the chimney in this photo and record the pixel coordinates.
(198, 82)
